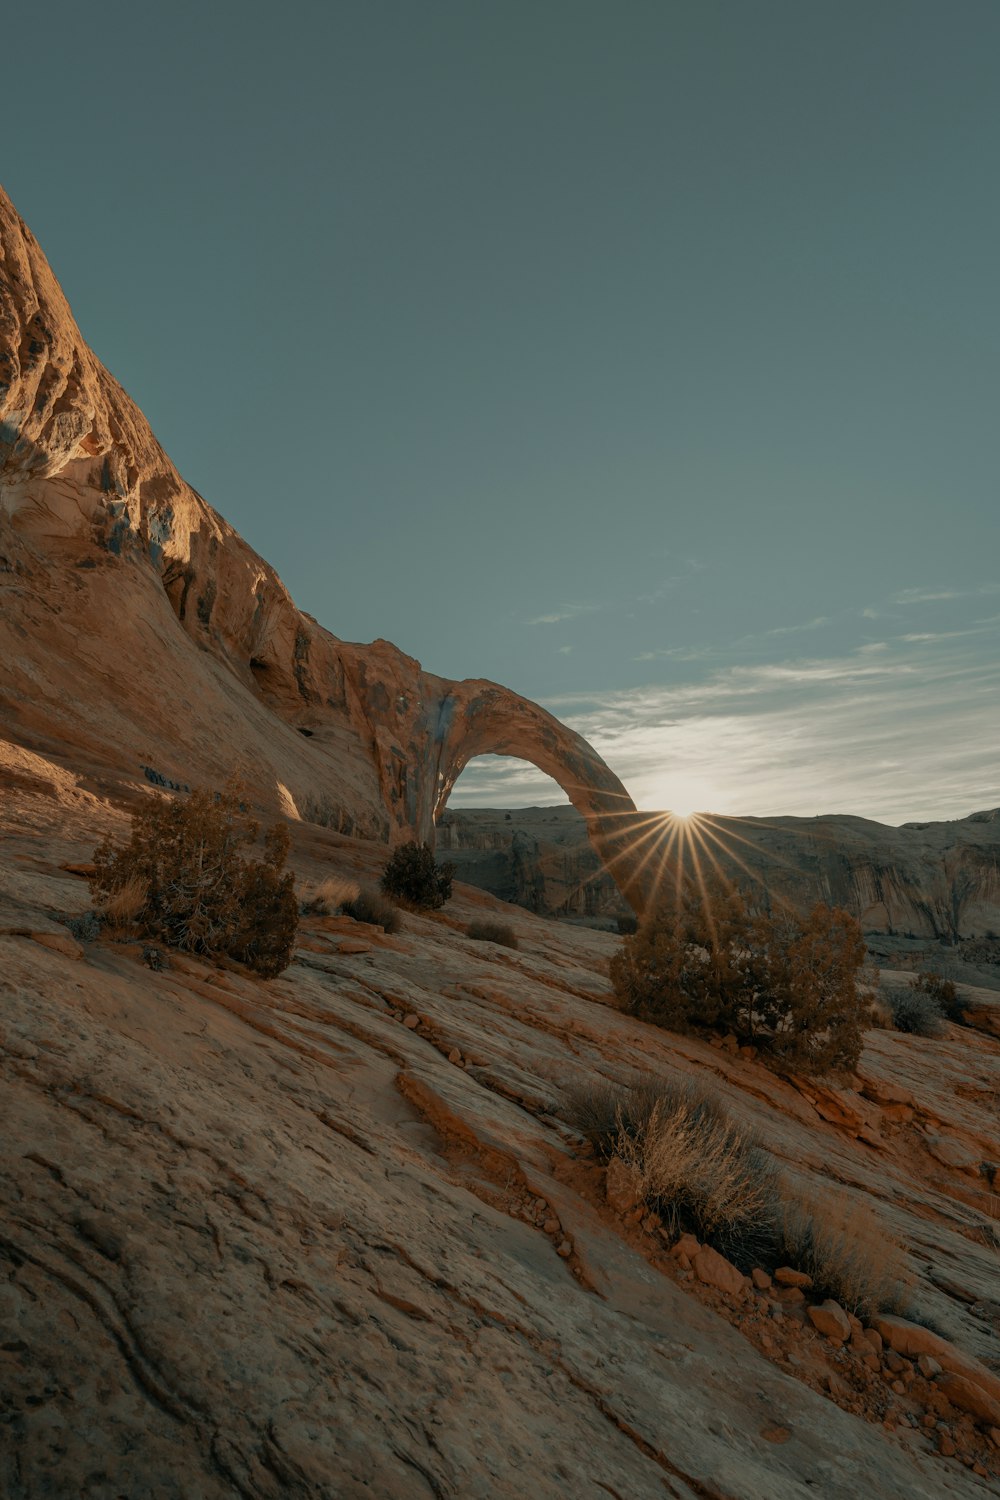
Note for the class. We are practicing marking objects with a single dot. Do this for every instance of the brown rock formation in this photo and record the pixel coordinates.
(104, 551)
(933, 880)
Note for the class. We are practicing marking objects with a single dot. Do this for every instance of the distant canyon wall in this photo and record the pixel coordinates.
(936, 880)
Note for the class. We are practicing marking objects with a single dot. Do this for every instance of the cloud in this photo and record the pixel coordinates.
(936, 595)
(564, 612)
(563, 650)
(905, 730)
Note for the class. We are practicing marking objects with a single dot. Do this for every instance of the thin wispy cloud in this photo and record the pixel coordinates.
(896, 730)
(909, 733)
(564, 612)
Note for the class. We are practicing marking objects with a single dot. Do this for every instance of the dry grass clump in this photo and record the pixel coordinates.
(699, 1170)
(845, 1248)
(327, 897)
(369, 905)
(121, 906)
(492, 932)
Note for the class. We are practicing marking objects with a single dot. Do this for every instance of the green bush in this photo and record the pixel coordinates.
(369, 905)
(413, 877)
(189, 886)
(492, 932)
(705, 960)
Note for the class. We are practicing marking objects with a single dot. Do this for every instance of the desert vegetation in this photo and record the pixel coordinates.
(703, 1173)
(706, 960)
(492, 932)
(327, 897)
(371, 906)
(413, 877)
(182, 879)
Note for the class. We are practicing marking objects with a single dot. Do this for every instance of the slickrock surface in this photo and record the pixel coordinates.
(266, 1239)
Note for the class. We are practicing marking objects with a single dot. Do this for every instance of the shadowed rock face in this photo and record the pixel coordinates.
(102, 544)
(930, 880)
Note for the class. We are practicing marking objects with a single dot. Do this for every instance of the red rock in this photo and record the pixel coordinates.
(787, 1276)
(971, 1397)
(761, 1279)
(831, 1320)
(622, 1186)
(714, 1270)
(411, 1022)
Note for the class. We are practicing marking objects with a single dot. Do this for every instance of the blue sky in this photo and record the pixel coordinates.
(642, 357)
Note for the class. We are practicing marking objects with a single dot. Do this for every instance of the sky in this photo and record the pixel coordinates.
(642, 357)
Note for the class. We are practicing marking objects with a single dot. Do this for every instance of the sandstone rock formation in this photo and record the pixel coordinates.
(935, 880)
(121, 586)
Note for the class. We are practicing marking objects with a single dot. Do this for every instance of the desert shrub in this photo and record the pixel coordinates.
(786, 986)
(627, 923)
(86, 928)
(943, 991)
(369, 905)
(845, 1248)
(414, 877)
(328, 897)
(492, 932)
(914, 1010)
(699, 1170)
(199, 892)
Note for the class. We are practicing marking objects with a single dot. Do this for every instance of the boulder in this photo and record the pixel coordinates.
(831, 1320)
(715, 1270)
(913, 1340)
(970, 1397)
(786, 1276)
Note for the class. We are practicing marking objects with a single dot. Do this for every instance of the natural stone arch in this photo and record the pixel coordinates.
(469, 719)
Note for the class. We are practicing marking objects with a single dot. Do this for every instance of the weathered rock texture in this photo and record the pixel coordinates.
(935, 880)
(333, 1236)
(135, 619)
(538, 857)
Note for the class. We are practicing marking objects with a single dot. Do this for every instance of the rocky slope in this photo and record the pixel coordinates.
(934, 880)
(334, 1235)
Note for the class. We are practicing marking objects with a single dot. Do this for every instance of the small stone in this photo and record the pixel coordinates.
(683, 1261)
(874, 1338)
(761, 1279)
(686, 1245)
(411, 1022)
(791, 1296)
(565, 1249)
(871, 1359)
(898, 1387)
(551, 1226)
(775, 1312)
(454, 1056)
(731, 1043)
(894, 1362)
(714, 1270)
(928, 1366)
(831, 1320)
(786, 1276)
(928, 1419)
(977, 1468)
(945, 1446)
(994, 1436)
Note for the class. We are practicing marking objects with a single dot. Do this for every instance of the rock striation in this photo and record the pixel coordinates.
(122, 586)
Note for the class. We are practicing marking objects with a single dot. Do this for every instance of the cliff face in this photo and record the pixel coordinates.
(537, 857)
(937, 880)
(139, 630)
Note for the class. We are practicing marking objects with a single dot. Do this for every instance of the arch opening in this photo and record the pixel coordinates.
(511, 829)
